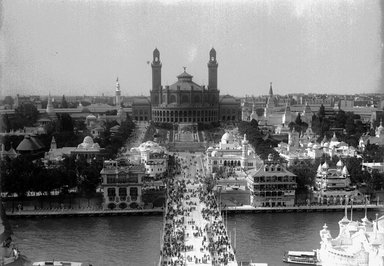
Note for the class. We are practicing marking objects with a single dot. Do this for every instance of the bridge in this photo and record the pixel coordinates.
(194, 231)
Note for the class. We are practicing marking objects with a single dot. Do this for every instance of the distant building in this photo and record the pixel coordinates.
(370, 167)
(88, 150)
(153, 156)
(141, 109)
(30, 146)
(378, 139)
(11, 153)
(188, 102)
(231, 155)
(271, 185)
(122, 185)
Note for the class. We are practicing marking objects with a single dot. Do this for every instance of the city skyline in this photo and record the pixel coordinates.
(80, 47)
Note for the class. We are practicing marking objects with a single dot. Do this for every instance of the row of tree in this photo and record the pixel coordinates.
(263, 143)
(21, 175)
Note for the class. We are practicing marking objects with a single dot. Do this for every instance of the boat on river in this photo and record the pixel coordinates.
(301, 257)
(57, 263)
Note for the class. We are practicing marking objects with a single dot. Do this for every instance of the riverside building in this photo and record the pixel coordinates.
(271, 185)
(122, 184)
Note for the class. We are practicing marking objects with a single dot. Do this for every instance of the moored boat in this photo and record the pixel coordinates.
(57, 263)
(301, 257)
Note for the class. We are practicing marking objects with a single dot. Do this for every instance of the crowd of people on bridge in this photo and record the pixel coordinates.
(215, 248)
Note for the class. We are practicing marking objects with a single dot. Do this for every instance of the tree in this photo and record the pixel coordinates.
(321, 112)
(305, 175)
(25, 115)
(64, 123)
(340, 119)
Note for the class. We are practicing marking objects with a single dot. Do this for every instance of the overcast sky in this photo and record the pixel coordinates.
(80, 47)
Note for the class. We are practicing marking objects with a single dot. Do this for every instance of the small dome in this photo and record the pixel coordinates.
(91, 117)
(88, 140)
(326, 145)
(334, 138)
(325, 166)
(340, 163)
(227, 138)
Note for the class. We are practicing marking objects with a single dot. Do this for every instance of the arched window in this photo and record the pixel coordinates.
(185, 99)
(172, 99)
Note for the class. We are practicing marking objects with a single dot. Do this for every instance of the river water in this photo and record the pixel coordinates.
(135, 240)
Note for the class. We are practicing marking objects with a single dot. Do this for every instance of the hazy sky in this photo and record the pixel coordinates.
(80, 47)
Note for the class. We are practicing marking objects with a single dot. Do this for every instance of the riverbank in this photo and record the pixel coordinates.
(159, 211)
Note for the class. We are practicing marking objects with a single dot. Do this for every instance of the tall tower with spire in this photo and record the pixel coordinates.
(50, 110)
(118, 93)
(270, 94)
(244, 152)
(156, 70)
(212, 70)
(287, 117)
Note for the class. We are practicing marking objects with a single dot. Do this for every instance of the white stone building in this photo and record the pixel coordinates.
(231, 155)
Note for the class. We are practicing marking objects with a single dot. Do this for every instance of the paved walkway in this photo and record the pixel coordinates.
(203, 240)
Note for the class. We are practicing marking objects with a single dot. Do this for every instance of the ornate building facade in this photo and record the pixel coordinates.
(122, 185)
(231, 155)
(271, 185)
(188, 102)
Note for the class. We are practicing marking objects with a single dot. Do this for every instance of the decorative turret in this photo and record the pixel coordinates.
(53, 144)
(49, 108)
(345, 172)
(334, 138)
(270, 94)
(244, 152)
(212, 70)
(319, 169)
(287, 117)
(156, 70)
(253, 114)
(380, 129)
(339, 165)
(118, 93)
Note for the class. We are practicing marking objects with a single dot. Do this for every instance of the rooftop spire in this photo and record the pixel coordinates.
(117, 84)
(270, 90)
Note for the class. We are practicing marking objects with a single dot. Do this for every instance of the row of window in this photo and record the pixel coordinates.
(122, 192)
(134, 178)
(273, 187)
(266, 179)
(186, 113)
(185, 119)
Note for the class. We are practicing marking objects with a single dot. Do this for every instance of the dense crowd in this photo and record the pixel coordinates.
(185, 195)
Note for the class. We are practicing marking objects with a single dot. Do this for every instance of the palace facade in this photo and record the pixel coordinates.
(188, 102)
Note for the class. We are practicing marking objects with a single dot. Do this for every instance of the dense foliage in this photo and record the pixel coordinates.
(262, 143)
